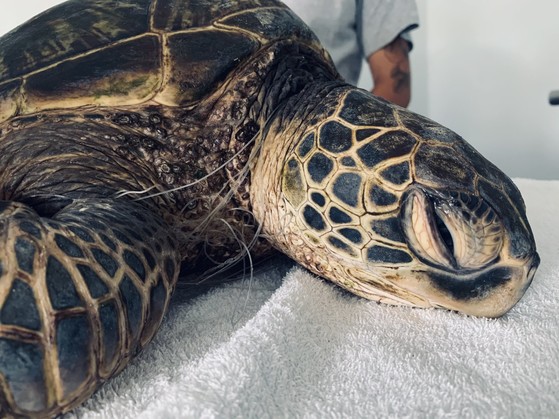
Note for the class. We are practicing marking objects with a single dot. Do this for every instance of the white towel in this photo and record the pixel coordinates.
(297, 346)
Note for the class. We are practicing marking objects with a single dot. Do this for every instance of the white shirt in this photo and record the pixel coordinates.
(351, 30)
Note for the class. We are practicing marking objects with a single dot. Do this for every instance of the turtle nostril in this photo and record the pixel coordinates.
(444, 233)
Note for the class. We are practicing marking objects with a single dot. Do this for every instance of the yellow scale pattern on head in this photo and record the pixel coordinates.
(340, 200)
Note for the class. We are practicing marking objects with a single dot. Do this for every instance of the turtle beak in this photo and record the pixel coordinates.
(535, 263)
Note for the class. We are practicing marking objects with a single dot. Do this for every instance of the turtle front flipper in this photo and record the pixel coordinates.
(85, 276)
(80, 293)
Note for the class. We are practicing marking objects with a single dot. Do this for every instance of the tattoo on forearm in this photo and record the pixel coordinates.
(401, 78)
(397, 53)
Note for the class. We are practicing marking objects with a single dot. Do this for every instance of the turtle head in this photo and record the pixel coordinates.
(396, 208)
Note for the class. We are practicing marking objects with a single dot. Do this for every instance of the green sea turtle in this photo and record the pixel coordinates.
(139, 136)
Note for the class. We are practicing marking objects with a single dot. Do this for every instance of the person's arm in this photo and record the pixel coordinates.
(390, 68)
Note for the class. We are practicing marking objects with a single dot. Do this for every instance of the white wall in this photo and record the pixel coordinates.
(491, 67)
(485, 69)
(482, 67)
(16, 12)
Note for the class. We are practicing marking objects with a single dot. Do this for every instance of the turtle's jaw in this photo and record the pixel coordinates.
(461, 244)
(490, 293)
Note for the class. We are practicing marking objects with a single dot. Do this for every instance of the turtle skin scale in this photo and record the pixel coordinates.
(145, 140)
